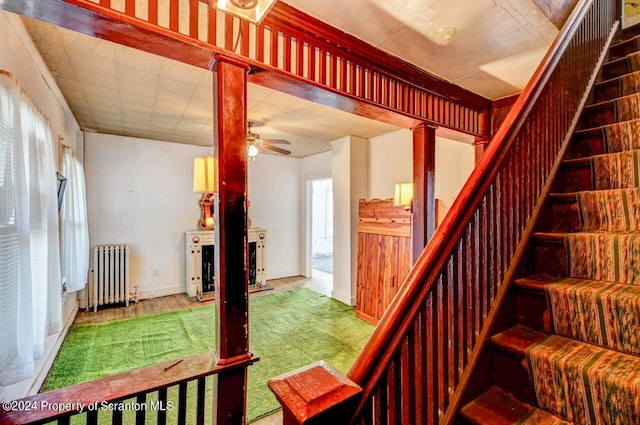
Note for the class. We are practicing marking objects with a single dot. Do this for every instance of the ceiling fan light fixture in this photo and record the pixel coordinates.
(250, 10)
(252, 150)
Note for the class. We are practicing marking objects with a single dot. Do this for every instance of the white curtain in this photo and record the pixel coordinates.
(75, 231)
(30, 286)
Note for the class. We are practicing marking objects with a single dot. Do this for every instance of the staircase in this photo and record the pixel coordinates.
(567, 347)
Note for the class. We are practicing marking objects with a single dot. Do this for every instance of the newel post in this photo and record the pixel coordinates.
(316, 395)
(231, 259)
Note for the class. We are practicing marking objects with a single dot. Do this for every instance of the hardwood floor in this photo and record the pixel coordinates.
(319, 282)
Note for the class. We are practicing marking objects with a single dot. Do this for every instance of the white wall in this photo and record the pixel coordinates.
(274, 193)
(20, 57)
(390, 162)
(140, 192)
(454, 163)
(350, 183)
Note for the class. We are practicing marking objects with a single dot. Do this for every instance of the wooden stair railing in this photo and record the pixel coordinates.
(415, 366)
(151, 394)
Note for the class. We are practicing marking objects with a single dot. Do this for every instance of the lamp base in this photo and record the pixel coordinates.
(206, 212)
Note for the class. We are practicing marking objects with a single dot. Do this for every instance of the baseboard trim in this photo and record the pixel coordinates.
(149, 293)
(282, 275)
(345, 298)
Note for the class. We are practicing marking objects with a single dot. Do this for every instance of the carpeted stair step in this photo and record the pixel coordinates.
(610, 256)
(623, 48)
(561, 213)
(611, 210)
(531, 300)
(584, 383)
(574, 175)
(598, 140)
(625, 108)
(602, 313)
(516, 340)
(630, 32)
(498, 407)
(587, 142)
(599, 172)
(621, 66)
(547, 253)
(508, 350)
(616, 87)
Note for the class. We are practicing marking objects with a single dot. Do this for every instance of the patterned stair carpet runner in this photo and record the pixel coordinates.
(630, 83)
(623, 136)
(585, 384)
(615, 210)
(540, 417)
(601, 313)
(614, 257)
(633, 60)
(627, 107)
(616, 170)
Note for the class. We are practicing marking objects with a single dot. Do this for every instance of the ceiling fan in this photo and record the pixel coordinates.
(255, 143)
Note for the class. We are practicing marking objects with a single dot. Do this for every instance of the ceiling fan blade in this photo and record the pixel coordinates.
(277, 141)
(275, 149)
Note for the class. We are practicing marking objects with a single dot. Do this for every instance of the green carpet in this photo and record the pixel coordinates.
(287, 329)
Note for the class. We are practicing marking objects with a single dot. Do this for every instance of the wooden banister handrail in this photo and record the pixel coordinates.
(447, 303)
(75, 399)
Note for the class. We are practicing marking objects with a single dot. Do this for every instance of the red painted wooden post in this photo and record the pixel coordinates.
(231, 265)
(424, 204)
(315, 395)
(480, 146)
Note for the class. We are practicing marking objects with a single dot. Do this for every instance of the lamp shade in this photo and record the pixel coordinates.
(251, 10)
(204, 174)
(403, 195)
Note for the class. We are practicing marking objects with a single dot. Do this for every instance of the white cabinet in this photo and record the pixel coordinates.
(199, 261)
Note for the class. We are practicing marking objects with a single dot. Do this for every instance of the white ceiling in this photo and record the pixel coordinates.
(497, 46)
(119, 90)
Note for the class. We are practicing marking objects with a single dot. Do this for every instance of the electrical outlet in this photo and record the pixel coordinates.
(154, 273)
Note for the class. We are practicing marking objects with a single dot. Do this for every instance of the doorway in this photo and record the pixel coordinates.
(322, 228)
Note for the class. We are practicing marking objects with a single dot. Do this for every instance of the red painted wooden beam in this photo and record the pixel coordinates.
(379, 81)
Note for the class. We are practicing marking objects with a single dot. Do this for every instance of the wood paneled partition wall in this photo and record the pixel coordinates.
(384, 255)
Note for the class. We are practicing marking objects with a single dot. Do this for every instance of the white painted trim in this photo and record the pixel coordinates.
(145, 294)
(282, 275)
(345, 298)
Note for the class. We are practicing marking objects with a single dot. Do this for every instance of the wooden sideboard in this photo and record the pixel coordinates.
(384, 255)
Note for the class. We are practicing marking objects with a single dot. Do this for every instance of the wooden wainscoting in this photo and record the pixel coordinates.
(384, 255)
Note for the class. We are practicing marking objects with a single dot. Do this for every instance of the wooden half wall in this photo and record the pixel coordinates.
(384, 255)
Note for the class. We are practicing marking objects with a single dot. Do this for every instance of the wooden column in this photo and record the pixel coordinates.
(424, 205)
(231, 264)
